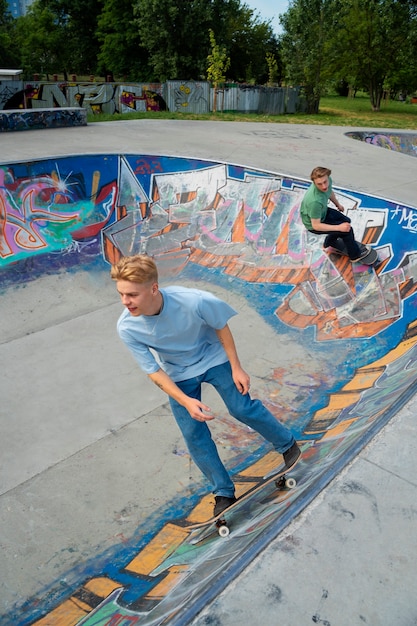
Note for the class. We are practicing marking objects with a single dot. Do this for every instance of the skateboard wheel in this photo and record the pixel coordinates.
(290, 483)
(224, 531)
(281, 482)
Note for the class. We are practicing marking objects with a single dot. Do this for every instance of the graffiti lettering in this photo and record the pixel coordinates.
(407, 218)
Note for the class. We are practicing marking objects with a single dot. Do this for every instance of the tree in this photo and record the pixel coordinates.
(8, 51)
(272, 69)
(175, 36)
(374, 42)
(39, 36)
(370, 44)
(248, 39)
(59, 36)
(81, 32)
(308, 31)
(218, 63)
(121, 51)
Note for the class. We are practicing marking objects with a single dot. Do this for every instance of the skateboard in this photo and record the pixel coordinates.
(370, 259)
(282, 483)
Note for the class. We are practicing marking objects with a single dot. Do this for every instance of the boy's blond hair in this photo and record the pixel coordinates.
(318, 172)
(139, 268)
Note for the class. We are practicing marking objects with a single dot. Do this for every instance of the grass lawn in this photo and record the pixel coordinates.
(334, 111)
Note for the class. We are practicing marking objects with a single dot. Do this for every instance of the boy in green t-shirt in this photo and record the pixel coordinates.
(320, 219)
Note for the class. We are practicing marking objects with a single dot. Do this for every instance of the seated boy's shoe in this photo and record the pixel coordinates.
(365, 250)
(291, 455)
(337, 244)
(222, 503)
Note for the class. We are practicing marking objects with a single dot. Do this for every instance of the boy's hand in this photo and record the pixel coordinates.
(344, 227)
(241, 380)
(198, 411)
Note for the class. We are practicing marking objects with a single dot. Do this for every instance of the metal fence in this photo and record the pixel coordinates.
(174, 95)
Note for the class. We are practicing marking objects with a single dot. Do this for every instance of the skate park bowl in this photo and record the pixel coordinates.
(332, 348)
(404, 142)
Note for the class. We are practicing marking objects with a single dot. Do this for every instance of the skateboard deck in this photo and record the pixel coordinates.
(370, 259)
(282, 483)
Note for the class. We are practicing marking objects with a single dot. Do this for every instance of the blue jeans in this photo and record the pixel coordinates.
(335, 217)
(197, 435)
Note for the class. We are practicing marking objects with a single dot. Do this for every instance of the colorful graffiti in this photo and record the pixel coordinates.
(42, 118)
(244, 223)
(240, 229)
(174, 95)
(398, 142)
(93, 97)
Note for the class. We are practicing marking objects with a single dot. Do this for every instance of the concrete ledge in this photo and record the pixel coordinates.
(34, 119)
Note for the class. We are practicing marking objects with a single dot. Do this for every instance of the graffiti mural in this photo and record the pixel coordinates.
(93, 97)
(240, 229)
(41, 118)
(175, 95)
(398, 142)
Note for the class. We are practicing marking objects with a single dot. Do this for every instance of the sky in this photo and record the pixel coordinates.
(269, 10)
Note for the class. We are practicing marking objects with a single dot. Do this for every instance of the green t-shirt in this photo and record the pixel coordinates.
(314, 204)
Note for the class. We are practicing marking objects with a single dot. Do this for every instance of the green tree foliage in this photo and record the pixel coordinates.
(142, 39)
(308, 31)
(272, 69)
(372, 42)
(59, 36)
(9, 54)
(40, 35)
(218, 63)
(247, 39)
(121, 52)
(81, 31)
(175, 36)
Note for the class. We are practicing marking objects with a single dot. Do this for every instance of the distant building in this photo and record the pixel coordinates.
(18, 7)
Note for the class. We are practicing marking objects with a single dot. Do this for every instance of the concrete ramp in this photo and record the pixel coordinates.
(331, 348)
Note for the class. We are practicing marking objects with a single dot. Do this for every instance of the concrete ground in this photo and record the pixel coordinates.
(80, 469)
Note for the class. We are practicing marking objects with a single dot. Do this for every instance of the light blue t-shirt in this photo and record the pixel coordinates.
(182, 339)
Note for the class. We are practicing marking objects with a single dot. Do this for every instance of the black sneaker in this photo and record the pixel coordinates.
(364, 251)
(292, 455)
(222, 503)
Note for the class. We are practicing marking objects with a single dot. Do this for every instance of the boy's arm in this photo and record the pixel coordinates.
(198, 411)
(319, 226)
(336, 202)
(240, 377)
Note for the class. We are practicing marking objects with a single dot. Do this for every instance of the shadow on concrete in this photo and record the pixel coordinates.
(341, 364)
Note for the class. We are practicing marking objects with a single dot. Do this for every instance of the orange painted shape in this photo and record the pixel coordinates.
(342, 400)
(238, 230)
(101, 586)
(370, 235)
(282, 240)
(158, 549)
(339, 429)
(68, 613)
(262, 467)
(364, 379)
(202, 511)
